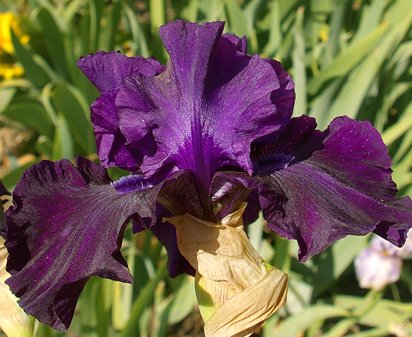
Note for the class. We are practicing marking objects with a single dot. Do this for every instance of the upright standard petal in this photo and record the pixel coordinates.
(107, 71)
(200, 114)
(317, 187)
(65, 226)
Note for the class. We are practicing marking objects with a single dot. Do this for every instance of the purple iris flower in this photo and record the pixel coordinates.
(200, 135)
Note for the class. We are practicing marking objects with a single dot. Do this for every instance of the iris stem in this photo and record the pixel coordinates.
(142, 302)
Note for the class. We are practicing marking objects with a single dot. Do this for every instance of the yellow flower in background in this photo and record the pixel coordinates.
(324, 33)
(10, 70)
(8, 21)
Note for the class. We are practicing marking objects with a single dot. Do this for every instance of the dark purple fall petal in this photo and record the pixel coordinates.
(3, 192)
(337, 183)
(3, 228)
(65, 226)
(201, 135)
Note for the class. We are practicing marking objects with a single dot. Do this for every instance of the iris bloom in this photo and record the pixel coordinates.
(381, 263)
(202, 137)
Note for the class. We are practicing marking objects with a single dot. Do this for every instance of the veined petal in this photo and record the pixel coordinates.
(338, 182)
(200, 114)
(66, 225)
(107, 71)
(4, 193)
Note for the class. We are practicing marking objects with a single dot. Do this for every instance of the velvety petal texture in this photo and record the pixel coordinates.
(200, 136)
(204, 110)
(4, 194)
(65, 226)
(317, 187)
(107, 71)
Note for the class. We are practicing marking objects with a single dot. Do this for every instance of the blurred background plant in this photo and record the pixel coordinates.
(348, 57)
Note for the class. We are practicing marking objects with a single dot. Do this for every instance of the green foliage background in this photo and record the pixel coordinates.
(349, 57)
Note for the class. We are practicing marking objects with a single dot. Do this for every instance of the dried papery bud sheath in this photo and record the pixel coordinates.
(237, 291)
(13, 320)
(245, 312)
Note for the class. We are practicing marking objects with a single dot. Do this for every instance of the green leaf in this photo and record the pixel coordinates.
(32, 115)
(282, 258)
(139, 42)
(158, 14)
(191, 11)
(299, 65)
(378, 332)
(371, 17)
(63, 143)
(6, 95)
(213, 10)
(400, 128)
(299, 294)
(402, 174)
(13, 176)
(144, 299)
(70, 102)
(348, 58)
(111, 29)
(96, 9)
(237, 20)
(123, 293)
(275, 33)
(295, 325)
(383, 313)
(332, 263)
(404, 147)
(355, 89)
(183, 302)
(54, 41)
(33, 71)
